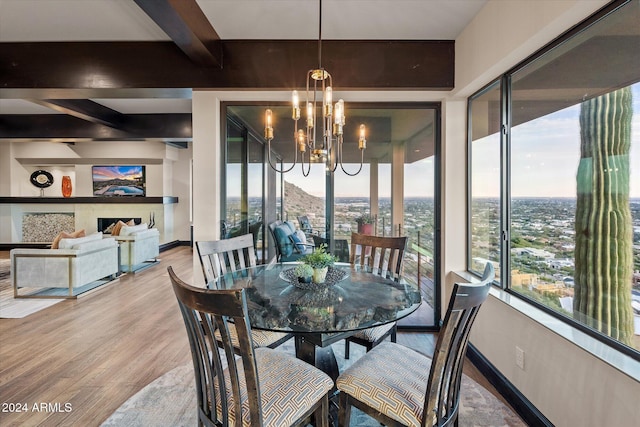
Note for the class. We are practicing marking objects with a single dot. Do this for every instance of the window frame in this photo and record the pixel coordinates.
(504, 81)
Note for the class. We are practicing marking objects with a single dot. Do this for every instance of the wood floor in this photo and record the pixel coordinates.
(83, 358)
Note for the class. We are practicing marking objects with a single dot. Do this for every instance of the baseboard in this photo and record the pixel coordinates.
(170, 245)
(9, 246)
(525, 409)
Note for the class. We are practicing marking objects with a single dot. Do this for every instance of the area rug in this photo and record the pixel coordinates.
(170, 400)
(17, 308)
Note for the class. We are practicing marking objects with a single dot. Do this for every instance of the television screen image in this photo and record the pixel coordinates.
(118, 181)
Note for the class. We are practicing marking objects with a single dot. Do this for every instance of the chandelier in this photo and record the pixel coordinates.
(327, 146)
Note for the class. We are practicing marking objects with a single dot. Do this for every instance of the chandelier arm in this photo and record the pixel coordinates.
(361, 163)
(309, 166)
(271, 163)
(336, 157)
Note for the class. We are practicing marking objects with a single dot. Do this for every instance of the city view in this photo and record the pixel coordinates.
(418, 225)
(542, 248)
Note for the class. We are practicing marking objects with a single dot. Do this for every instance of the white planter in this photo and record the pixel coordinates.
(319, 274)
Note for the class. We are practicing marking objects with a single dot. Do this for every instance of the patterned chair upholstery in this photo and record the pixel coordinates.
(261, 387)
(219, 256)
(400, 387)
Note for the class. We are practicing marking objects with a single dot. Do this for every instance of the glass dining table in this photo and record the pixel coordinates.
(353, 298)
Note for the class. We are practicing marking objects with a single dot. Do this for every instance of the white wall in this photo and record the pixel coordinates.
(568, 385)
(166, 169)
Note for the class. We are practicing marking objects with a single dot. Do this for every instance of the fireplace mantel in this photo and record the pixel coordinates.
(165, 200)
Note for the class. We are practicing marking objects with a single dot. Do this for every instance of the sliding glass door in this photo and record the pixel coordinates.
(397, 185)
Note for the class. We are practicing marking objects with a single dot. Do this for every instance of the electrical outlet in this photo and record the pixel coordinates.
(520, 358)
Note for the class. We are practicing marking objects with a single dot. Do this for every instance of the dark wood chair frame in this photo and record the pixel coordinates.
(442, 397)
(204, 311)
(384, 255)
(216, 259)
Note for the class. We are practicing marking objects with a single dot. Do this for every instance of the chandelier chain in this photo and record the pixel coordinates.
(331, 118)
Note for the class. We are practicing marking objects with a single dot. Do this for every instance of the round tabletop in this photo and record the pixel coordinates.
(359, 300)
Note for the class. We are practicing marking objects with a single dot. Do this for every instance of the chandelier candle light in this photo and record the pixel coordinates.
(329, 148)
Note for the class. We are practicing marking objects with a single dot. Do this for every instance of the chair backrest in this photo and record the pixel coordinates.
(204, 311)
(341, 247)
(254, 230)
(381, 254)
(443, 389)
(218, 256)
(319, 240)
(305, 225)
(272, 231)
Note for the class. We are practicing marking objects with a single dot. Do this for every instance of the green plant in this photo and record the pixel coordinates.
(604, 228)
(303, 270)
(319, 258)
(365, 219)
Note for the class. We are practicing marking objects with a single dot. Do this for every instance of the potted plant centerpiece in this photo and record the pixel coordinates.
(319, 260)
(304, 272)
(365, 224)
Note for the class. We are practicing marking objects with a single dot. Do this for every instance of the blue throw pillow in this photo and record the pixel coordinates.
(297, 243)
(282, 240)
(291, 225)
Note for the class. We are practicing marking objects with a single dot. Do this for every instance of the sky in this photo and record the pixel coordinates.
(544, 156)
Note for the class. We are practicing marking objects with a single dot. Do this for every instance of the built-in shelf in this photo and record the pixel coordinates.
(165, 200)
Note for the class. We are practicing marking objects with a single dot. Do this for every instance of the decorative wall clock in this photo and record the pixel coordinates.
(41, 179)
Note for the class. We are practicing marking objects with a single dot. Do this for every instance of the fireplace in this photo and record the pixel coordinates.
(105, 223)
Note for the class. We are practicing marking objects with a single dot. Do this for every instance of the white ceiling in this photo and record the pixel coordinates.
(123, 20)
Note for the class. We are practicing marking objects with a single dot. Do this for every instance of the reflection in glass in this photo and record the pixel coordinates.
(484, 180)
(575, 189)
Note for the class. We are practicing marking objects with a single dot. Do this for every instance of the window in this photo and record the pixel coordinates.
(397, 184)
(572, 184)
(484, 179)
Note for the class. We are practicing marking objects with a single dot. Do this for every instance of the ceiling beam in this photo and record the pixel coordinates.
(185, 23)
(249, 64)
(86, 109)
(62, 126)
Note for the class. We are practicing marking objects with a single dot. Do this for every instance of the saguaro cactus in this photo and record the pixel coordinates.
(603, 253)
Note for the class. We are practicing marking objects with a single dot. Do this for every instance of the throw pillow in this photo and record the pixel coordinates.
(128, 230)
(64, 235)
(69, 243)
(117, 228)
(291, 225)
(297, 243)
(131, 222)
(282, 240)
(301, 235)
(109, 229)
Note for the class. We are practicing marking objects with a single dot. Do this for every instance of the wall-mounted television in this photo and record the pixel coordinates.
(119, 181)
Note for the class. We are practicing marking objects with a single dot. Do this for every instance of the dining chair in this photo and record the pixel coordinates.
(259, 387)
(380, 255)
(219, 256)
(401, 387)
(341, 247)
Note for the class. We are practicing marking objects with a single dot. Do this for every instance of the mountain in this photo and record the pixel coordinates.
(299, 202)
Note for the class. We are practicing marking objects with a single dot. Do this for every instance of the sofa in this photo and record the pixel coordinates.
(76, 266)
(290, 244)
(139, 247)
